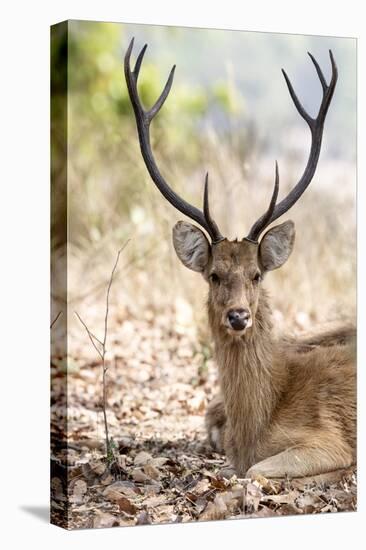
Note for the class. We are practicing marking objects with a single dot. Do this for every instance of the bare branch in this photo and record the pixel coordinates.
(91, 336)
(108, 292)
(102, 354)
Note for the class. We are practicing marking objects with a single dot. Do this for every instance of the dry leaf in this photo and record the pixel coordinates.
(197, 404)
(288, 509)
(309, 502)
(104, 520)
(220, 484)
(252, 497)
(267, 485)
(234, 500)
(98, 467)
(120, 488)
(91, 443)
(201, 487)
(212, 512)
(139, 476)
(263, 512)
(142, 458)
(154, 500)
(151, 471)
(80, 489)
(143, 519)
(160, 461)
(286, 498)
(220, 504)
(126, 506)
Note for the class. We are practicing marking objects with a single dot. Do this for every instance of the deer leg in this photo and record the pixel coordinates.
(304, 461)
(215, 421)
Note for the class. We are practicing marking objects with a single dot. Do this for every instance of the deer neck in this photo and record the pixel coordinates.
(251, 381)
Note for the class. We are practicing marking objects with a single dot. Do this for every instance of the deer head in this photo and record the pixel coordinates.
(233, 269)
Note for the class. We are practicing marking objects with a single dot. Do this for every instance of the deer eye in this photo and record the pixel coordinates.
(257, 278)
(215, 278)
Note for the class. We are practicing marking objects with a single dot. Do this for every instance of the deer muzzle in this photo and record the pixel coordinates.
(238, 319)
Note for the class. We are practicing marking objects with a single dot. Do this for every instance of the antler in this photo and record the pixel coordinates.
(316, 126)
(143, 120)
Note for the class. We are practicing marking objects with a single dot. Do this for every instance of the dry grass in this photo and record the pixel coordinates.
(317, 284)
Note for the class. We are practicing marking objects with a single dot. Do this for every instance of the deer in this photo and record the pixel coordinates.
(285, 407)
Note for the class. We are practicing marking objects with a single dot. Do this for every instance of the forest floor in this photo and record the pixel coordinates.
(159, 383)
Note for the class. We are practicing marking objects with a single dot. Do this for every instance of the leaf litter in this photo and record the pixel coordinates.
(166, 472)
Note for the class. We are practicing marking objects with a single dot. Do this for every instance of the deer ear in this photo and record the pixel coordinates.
(276, 245)
(191, 246)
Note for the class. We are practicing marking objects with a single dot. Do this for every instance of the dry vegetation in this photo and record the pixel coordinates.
(160, 380)
(161, 372)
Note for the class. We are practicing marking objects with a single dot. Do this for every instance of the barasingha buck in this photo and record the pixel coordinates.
(284, 407)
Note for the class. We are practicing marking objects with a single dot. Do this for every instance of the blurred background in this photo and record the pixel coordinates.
(228, 113)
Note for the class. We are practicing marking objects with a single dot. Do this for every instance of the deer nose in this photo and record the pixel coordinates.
(238, 318)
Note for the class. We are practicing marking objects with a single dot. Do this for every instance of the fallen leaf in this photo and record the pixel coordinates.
(267, 485)
(288, 509)
(126, 506)
(220, 504)
(151, 471)
(252, 497)
(152, 489)
(286, 498)
(104, 520)
(155, 500)
(125, 444)
(219, 483)
(143, 519)
(160, 461)
(139, 476)
(142, 458)
(201, 487)
(91, 443)
(263, 512)
(309, 502)
(120, 488)
(98, 467)
(79, 491)
(106, 478)
(212, 512)
(197, 404)
(166, 513)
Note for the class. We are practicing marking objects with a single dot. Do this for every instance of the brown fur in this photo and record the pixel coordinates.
(285, 407)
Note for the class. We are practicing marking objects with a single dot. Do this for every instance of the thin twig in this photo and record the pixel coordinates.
(90, 335)
(102, 354)
(96, 338)
(108, 291)
(55, 319)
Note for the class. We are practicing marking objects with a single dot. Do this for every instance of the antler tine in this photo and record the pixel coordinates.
(319, 71)
(316, 126)
(206, 211)
(296, 100)
(164, 94)
(131, 79)
(143, 119)
(139, 62)
(263, 221)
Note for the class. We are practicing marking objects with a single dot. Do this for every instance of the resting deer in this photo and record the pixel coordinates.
(284, 408)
